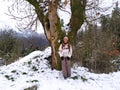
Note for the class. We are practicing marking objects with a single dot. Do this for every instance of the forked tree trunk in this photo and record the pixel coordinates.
(52, 26)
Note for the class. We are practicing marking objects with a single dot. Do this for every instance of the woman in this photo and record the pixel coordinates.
(65, 52)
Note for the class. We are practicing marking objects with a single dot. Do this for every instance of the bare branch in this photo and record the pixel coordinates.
(24, 14)
(94, 10)
(64, 10)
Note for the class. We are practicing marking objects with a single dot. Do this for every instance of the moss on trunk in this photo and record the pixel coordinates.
(78, 16)
(55, 30)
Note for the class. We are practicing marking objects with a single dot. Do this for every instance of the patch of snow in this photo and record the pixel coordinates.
(34, 69)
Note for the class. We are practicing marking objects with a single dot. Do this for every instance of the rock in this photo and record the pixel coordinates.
(31, 88)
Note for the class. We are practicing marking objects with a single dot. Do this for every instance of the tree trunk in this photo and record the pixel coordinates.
(52, 29)
(77, 17)
(53, 33)
(76, 21)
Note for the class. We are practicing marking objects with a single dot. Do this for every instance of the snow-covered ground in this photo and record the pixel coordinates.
(34, 69)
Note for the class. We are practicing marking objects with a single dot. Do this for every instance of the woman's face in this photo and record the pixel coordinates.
(65, 39)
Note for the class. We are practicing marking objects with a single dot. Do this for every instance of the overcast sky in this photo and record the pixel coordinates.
(4, 19)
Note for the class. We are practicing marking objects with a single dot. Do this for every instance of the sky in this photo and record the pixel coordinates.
(5, 19)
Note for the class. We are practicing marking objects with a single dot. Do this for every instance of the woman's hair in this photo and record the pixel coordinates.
(65, 38)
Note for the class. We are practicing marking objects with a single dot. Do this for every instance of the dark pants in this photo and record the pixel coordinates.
(66, 69)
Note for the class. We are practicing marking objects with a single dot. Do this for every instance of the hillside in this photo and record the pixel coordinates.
(34, 70)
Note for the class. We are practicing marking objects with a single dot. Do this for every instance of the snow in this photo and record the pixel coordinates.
(34, 69)
(65, 13)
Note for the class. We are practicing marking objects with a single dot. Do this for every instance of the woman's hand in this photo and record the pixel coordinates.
(68, 58)
(62, 58)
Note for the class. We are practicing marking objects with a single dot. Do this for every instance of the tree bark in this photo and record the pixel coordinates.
(53, 33)
(77, 17)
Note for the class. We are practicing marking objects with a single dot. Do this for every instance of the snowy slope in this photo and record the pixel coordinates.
(35, 70)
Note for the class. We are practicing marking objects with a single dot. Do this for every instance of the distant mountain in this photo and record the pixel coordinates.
(18, 33)
(27, 37)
